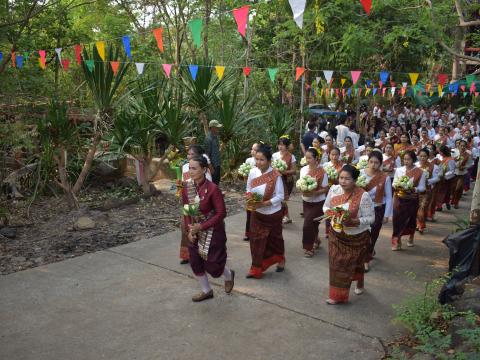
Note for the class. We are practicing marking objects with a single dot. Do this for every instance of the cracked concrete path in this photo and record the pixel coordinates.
(134, 302)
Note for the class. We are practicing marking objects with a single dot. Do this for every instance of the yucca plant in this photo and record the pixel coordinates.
(103, 84)
(280, 121)
(202, 93)
(173, 122)
(58, 136)
(237, 119)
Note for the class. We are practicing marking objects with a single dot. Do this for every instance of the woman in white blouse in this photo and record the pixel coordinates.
(266, 240)
(313, 200)
(432, 173)
(349, 154)
(379, 187)
(405, 203)
(348, 241)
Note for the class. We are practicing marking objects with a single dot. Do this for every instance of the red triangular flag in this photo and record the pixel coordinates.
(158, 33)
(168, 69)
(380, 84)
(442, 79)
(472, 87)
(65, 64)
(367, 5)
(246, 71)
(476, 94)
(241, 17)
(343, 92)
(299, 72)
(337, 91)
(114, 65)
(462, 87)
(78, 53)
(14, 64)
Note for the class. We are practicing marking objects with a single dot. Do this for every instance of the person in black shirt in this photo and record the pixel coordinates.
(308, 137)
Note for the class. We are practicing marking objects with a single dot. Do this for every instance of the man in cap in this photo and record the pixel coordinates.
(212, 148)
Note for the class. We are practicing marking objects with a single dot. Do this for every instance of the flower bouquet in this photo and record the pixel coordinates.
(403, 185)
(362, 181)
(279, 164)
(306, 183)
(303, 161)
(192, 209)
(337, 216)
(345, 158)
(362, 164)
(331, 173)
(244, 169)
(253, 199)
(427, 173)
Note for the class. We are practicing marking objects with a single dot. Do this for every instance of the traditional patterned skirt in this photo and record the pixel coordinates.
(184, 255)
(247, 225)
(424, 201)
(347, 255)
(217, 255)
(375, 232)
(266, 242)
(457, 188)
(444, 190)
(310, 227)
(288, 183)
(404, 217)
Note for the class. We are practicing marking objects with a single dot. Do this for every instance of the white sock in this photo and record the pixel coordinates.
(204, 284)
(227, 274)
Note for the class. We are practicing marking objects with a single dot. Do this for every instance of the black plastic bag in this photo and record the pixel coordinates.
(463, 246)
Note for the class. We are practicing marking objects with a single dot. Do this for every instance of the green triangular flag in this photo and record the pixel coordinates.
(272, 73)
(90, 64)
(470, 79)
(195, 26)
(465, 94)
(26, 54)
(356, 91)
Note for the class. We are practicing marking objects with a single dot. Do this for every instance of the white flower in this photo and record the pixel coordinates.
(362, 181)
(331, 172)
(362, 164)
(244, 169)
(306, 183)
(197, 199)
(279, 164)
(303, 161)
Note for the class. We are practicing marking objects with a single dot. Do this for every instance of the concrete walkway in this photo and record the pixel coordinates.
(134, 302)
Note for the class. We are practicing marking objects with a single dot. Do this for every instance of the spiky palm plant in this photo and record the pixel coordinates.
(280, 121)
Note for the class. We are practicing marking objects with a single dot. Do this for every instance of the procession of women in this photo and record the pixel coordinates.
(410, 165)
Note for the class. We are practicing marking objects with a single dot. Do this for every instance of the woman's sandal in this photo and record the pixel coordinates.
(308, 253)
(332, 302)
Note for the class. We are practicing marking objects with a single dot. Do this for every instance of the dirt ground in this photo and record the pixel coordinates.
(49, 233)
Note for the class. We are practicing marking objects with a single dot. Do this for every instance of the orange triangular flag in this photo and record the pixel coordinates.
(158, 33)
(299, 72)
(114, 65)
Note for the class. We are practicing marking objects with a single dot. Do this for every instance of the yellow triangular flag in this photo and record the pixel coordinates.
(220, 70)
(343, 81)
(431, 93)
(413, 77)
(101, 49)
(367, 91)
(440, 92)
(321, 92)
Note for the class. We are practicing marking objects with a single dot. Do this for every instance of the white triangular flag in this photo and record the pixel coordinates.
(404, 84)
(298, 8)
(318, 79)
(59, 52)
(393, 90)
(331, 92)
(140, 67)
(328, 75)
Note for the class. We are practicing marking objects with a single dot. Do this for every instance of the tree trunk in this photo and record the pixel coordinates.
(145, 176)
(87, 164)
(475, 206)
(457, 45)
(208, 10)
(204, 120)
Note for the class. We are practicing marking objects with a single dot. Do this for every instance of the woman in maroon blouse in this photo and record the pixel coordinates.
(206, 229)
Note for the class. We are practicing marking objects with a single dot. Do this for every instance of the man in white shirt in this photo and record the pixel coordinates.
(342, 132)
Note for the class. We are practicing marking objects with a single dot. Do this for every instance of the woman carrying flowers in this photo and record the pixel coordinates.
(313, 184)
(425, 199)
(348, 153)
(204, 211)
(266, 240)
(409, 181)
(379, 187)
(444, 186)
(287, 169)
(463, 161)
(193, 150)
(351, 211)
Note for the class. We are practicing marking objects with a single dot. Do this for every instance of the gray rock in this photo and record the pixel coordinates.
(84, 223)
(19, 259)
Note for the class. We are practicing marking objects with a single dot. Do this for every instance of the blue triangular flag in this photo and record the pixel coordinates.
(193, 71)
(369, 82)
(384, 76)
(19, 61)
(126, 45)
(349, 92)
(374, 91)
(1, 56)
(455, 88)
